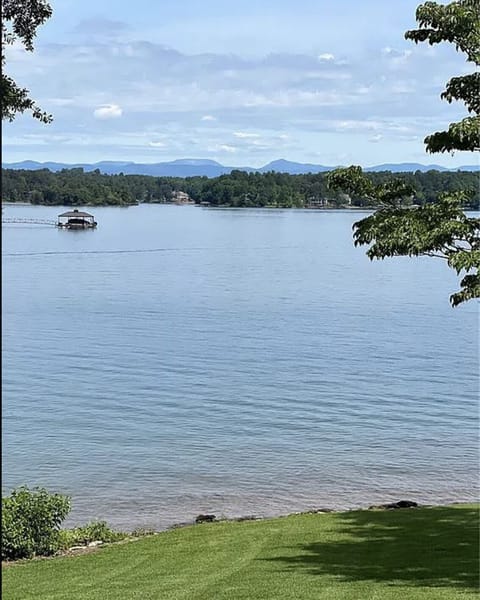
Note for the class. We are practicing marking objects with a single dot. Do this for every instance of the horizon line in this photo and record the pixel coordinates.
(216, 162)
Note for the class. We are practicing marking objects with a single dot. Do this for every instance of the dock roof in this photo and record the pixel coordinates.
(75, 213)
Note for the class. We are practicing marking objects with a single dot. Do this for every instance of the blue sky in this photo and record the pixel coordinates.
(323, 81)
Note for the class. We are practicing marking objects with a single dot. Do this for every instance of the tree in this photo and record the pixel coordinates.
(442, 229)
(20, 20)
(459, 24)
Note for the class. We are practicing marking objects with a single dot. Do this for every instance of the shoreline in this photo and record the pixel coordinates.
(387, 506)
(158, 524)
(139, 533)
(210, 207)
(220, 207)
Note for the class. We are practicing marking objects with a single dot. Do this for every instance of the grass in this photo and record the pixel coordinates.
(427, 553)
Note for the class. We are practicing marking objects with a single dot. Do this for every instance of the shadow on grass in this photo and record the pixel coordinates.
(436, 547)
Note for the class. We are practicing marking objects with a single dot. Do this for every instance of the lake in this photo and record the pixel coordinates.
(180, 360)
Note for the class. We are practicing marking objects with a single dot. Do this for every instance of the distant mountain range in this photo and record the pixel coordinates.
(191, 167)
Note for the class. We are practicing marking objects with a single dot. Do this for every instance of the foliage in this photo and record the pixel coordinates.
(23, 17)
(441, 230)
(75, 187)
(70, 187)
(414, 554)
(354, 182)
(95, 531)
(459, 24)
(30, 522)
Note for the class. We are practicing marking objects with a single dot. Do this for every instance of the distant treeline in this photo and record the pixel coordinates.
(74, 187)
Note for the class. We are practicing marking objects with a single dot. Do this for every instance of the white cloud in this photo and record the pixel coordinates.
(333, 74)
(326, 57)
(263, 144)
(296, 98)
(358, 126)
(363, 89)
(108, 111)
(396, 58)
(175, 101)
(376, 138)
(245, 135)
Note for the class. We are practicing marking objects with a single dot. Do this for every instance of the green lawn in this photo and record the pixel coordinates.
(429, 553)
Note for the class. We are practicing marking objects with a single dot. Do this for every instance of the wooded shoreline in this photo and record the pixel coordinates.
(75, 187)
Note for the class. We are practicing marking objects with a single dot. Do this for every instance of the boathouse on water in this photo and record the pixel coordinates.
(76, 219)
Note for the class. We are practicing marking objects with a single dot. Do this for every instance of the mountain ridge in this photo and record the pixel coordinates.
(191, 167)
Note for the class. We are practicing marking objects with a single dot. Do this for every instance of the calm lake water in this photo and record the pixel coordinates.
(180, 360)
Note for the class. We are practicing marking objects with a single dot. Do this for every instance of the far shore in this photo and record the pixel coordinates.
(214, 207)
(221, 206)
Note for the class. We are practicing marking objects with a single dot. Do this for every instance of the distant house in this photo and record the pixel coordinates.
(76, 219)
(181, 198)
(315, 202)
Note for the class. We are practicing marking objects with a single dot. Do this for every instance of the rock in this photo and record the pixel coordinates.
(404, 504)
(178, 525)
(95, 544)
(74, 548)
(205, 519)
(394, 505)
